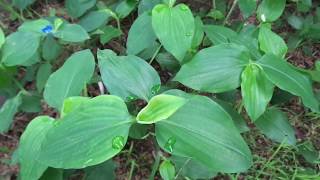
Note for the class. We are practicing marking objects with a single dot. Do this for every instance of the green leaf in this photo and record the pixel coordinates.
(43, 75)
(167, 170)
(125, 7)
(35, 26)
(7, 112)
(270, 10)
(141, 34)
(51, 49)
(203, 131)
(270, 42)
(309, 153)
(2, 38)
(72, 103)
(22, 4)
(90, 134)
(101, 171)
(147, 5)
(127, 76)
(70, 79)
(198, 33)
(76, 8)
(19, 48)
(30, 147)
(109, 32)
(159, 108)
(52, 174)
(94, 20)
(287, 78)
(275, 125)
(295, 21)
(219, 34)
(167, 62)
(174, 27)
(31, 103)
(304, 5)
(215, 69)
(247, 7)
(72, 33)
(256, 91)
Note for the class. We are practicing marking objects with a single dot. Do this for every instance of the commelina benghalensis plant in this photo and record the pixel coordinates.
(199, 132)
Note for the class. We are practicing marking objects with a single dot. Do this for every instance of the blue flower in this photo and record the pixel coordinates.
(48, 29)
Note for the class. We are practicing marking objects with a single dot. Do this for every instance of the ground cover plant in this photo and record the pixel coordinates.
(159, 89)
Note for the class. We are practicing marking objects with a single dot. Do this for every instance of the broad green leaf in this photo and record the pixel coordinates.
(219, 34)
(2, 38)
(295, 21)
(125, 7)
(270, 10)
(70, 79)
(174, 27)
(256, 91)
(287, 78)
(109, 32)
(94, 20)
(215, 69)
(77, 8)
(72, 103)
(270, 42)
(139, 131)
(36, 26)
(7, 112)
(159, 108)
(90, 134)
(167, 170)
(43, 74)
(101, 171)
(198, 33)
(127, 76)
(72, 33)
(275, 125)
(31, 103)
(30, 147)
(247, 7)
(52, 174)
(19, 48)
(141, 34)
(51, 49)
(202, 130)
(147, 5)
(167, 62)
(304, 5)
(192, 169)
(22, 4)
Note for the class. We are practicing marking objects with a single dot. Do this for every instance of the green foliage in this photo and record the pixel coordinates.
(77, 8)
(7, 112)
(167, 170)
(270, 10)
(2, 38)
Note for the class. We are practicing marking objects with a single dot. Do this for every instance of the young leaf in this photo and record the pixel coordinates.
(256, 90)
(76, 8)
(247, 7)
(270, 42)
(160, 108)
(203, 131)
(92, 133)
(51, 49)
(127, 76)
(275, 125)
(215, 69)
(22, 4)
(167, 170)
(2, 38)
(94, 20)
(141, 34)
(109, 32)
(43, 74)
(287, 78)
(72, 33)
(174, 27)
(270, 10)
(70, 79)
(7, 112)
(19, 48)
(30, 147)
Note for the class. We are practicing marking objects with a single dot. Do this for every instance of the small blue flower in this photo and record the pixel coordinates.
(48, 29)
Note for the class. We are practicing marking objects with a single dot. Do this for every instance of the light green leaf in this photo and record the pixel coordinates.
(247, 7)
(2, 38)
(125, 7)
(287, 78)
(72, 103)
(35, 26)
(70, 79)
(22, 4)
(256, 91)
(198, 33)
(72, 33)
(202, 130)
(94, 20)
(90, 134)
(219, 34)
(77, 8)
(30, 147)
(109, 32)
(167, 170)
(7, 112)
(159, 108)
(51, 49)
(270, 42)
(215, 69)
(275, 125)
(174, 27)
(104, 171)
(270, 10)
(127, 76)
(19, 48)
(43, 74)
(141, 34)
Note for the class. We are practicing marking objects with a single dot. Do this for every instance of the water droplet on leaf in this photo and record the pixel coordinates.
(155, 89)
(118, 142)
(184, 7)
(189, 34)
(169, 144)
(131, 98)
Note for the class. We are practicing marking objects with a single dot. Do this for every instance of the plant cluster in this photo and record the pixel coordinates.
(190, 116)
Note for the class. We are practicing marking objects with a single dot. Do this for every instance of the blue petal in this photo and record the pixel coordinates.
(48, 29)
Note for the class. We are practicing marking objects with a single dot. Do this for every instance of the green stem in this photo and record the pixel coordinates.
(155, 54)
(156, 163)
(85, 91)
(230, 11)
(20, 86)
(10, 9)
(133, 163)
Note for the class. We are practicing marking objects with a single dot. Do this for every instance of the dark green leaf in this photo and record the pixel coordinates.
(43, 74)
(76, 8)
(270, 10)
(94, 20)
(308, 151)
(101, 171)
(247, 7)
(72, 33)
(31, 103)
(168, 62)
(52, 174)
(198, 33)
(7, 112)
(147, 5)
(219, 34)
(125, 7)
(109, 32)
(51, 49)
(22, 4)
